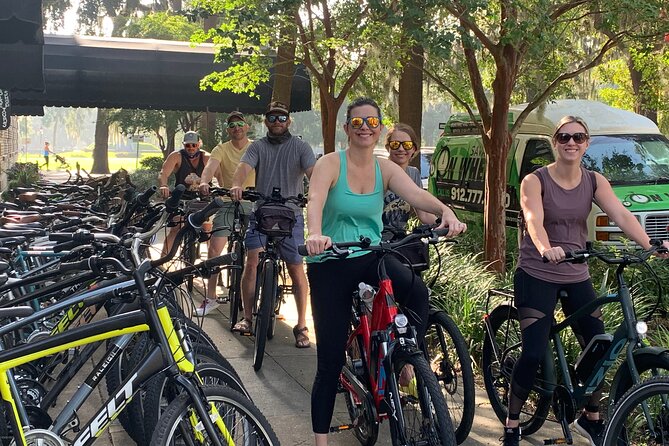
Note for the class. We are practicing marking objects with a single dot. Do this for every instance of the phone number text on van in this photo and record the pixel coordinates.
(473, 196)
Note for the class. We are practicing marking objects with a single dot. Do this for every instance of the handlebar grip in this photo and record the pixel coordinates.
(145, 198)
(172, 203)
(60, 237)
(199, 217)
(129, 194)
(225, 259)
(302, 250)
(81, 265)
(65, 246)
(441, 232)
(65, 225)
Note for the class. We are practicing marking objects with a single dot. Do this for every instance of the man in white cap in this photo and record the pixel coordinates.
(187, 166)
(225, 157)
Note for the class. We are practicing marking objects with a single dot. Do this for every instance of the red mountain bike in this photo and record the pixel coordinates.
(385, 375)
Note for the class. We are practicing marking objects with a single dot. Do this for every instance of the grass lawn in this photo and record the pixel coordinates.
(86, 162)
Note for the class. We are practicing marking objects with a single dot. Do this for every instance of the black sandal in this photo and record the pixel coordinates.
(301, 337)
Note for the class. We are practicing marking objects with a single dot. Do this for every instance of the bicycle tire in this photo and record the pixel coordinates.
(447, 354)
(265, 310)
(246, 424)
(189, 247)
(626, 425)
(235, 282)
(422, 415)
(497, 371)
(361, 409)
(159, 393)
(657, 365)
(278, 296)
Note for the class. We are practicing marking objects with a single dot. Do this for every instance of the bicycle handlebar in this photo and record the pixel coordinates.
(629, 258)
(253, 195)
(341, 250)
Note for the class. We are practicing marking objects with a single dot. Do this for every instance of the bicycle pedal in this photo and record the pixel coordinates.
(343, 427)
(550, 441)
(245, 333)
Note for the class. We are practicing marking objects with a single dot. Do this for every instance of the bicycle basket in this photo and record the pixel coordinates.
(418, 255)
(275, 220)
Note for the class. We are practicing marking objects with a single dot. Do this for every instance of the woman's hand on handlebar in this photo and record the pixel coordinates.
(663, 253)
(236, 193)
(317, 244)
(554, 255)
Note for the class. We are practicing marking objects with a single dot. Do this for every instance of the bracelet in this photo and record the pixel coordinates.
(164, 186)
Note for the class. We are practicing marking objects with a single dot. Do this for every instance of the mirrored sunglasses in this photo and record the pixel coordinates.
(563, 138)
(407, 145)
(233, 124)
(371, 121)
(273, 118)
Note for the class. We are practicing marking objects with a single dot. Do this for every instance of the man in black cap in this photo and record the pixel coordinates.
(280, 160)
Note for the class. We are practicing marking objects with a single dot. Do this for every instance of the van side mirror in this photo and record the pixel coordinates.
(442, 125)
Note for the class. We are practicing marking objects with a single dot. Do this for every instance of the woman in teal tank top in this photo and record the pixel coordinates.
(345, 202)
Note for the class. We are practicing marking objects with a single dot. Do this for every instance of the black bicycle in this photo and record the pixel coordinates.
(568, 391)
(275, 219)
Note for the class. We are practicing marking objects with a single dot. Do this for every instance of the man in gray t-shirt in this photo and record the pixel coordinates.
(280, 160)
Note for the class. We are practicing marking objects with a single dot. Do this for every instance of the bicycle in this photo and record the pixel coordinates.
(196, 413)
(275, 220)
(568, 391)
(445, 348)
(382, 354)
(236, 246)
(641, 416)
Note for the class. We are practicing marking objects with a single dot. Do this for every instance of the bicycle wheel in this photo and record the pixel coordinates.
(422, 415)
(641, 417)
(505, 327)
(265, 309)
(235, 282)
(448, 357)
(647, 364)
(242, 419)
(160, 392)
(191, 247)
(278, 297)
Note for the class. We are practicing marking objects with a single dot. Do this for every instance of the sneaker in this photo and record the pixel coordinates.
(511, 436)
(224, 296)
(592, 430)
(206, 307)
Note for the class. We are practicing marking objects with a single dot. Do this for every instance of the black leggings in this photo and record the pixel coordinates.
(332, 285)
(536, 301)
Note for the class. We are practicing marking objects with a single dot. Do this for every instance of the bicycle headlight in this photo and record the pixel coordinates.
(642, 329)
(402, 323)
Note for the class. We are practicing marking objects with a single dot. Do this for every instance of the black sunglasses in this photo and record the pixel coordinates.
(273, 118)
(563, 138)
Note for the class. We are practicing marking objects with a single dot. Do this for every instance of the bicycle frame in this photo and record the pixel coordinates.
(171, 353)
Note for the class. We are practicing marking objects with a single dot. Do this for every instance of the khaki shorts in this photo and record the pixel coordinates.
(223, 219)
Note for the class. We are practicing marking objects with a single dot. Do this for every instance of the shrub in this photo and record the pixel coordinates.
(154, 163)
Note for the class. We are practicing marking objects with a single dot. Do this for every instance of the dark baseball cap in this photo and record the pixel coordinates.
(277, 107)
(236, 114)
(191, 138)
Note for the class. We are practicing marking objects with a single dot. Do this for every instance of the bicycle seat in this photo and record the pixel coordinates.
(12, 241)
(4, 266)
(23, 226)
(19, 232)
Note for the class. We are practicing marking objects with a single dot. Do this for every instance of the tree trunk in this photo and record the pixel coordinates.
(639, 87)
(284, 67)
(411, 94)
(329, 108)
(101, 149)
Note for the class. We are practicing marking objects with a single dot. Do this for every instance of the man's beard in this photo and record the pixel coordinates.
(277, 131)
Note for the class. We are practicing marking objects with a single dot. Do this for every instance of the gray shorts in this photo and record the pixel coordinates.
(287, 248)
(223, 219)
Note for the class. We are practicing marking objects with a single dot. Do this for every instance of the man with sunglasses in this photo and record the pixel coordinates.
(224, 159)
(280, 160)
(187, 166)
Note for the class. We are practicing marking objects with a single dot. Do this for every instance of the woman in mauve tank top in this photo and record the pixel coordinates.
(556, 201)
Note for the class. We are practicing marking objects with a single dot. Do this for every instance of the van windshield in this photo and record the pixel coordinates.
(629, 158)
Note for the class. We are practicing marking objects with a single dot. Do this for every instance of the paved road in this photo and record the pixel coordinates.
(282, 388)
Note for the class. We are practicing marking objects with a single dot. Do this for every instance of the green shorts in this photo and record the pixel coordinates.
(223, 219)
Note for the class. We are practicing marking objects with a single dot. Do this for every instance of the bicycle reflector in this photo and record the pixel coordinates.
(402, 323)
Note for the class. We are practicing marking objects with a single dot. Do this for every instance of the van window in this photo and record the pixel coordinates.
(538, 153)
(642, 158)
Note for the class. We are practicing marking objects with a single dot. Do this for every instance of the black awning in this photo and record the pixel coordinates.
(21, 42)
(136, 73)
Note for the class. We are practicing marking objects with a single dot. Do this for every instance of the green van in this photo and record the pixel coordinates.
(625, 147)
